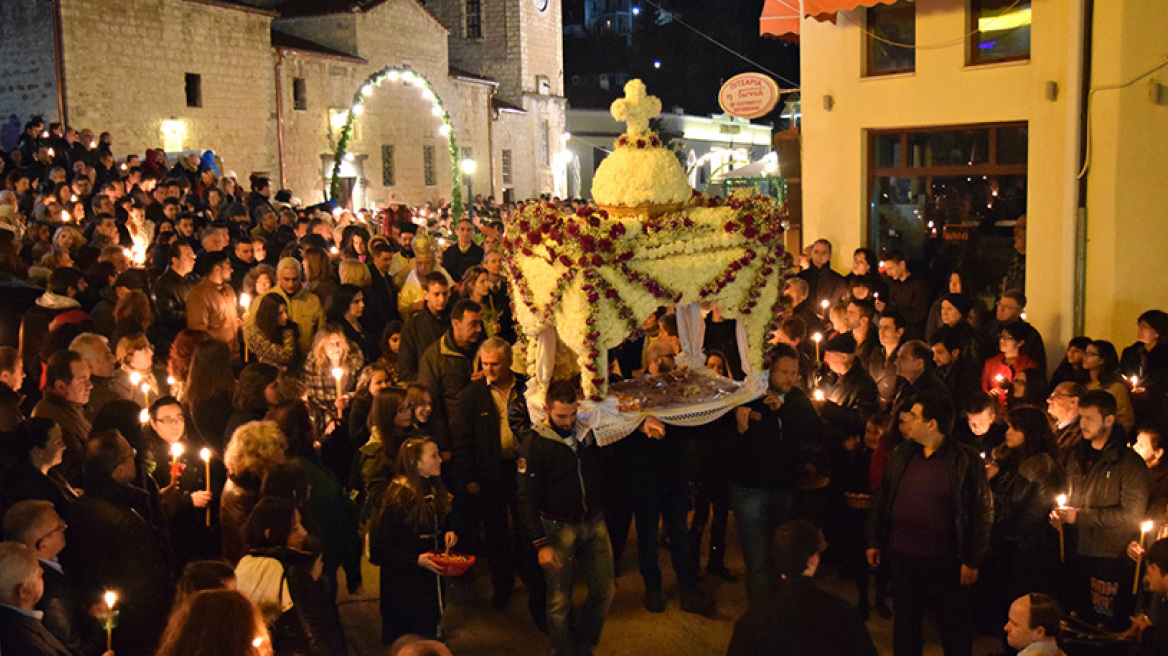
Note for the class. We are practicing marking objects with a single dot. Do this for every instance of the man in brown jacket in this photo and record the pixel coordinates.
(211, 305)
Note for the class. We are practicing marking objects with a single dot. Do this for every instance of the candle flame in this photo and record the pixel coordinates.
(818, 337)
(1061, 500)
(244, 300)
(135, 378)
(1135, 381)
(999, 378)
(338, 372)
(205, 454)
(144, 416)
(111, 598)
(825, 303)
(176, 449)
(170, 381)
(1146, 527)
(145, 388)
(818, 395)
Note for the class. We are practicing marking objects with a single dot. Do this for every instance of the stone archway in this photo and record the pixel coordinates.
(410, 77)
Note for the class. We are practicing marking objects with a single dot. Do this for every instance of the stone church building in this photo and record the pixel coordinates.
(268, 84)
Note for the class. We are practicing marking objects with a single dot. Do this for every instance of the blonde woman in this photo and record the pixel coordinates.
(354, 272)
(254, 449)
(331, 353)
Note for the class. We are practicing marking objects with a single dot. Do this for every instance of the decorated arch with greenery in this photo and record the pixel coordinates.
(409, 77)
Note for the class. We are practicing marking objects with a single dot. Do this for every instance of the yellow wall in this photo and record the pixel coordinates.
(1127, 196)
(943, 91)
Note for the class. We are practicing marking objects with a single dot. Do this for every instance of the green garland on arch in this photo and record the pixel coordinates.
(405, 75)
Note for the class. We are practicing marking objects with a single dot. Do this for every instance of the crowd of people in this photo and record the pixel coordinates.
(214, 403)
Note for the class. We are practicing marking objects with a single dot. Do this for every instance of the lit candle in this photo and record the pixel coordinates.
(245, 301)
(1135, 381)
(205, 454)
(825, 304)
(135, 378)
(818, 395)
(146, 393)
(1145, 528)
(175, 452)
(1061, 500)
(339, 374)
(817, 338)
(144, 416)
(111, 598)
(333, 250)
(170, 381)
(51, 153)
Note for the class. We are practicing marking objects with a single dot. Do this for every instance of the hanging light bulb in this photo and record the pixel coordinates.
(358, 110)
(367, 89)
(444, 129)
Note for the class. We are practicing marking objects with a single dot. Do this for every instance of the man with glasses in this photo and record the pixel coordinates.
(35, 524)
(1063, 407)
(1010, 310)
(115, 544)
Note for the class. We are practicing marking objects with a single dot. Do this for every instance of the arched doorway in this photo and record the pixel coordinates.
(408, 77)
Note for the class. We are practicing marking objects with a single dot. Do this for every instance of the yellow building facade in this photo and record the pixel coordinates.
(1122, 209)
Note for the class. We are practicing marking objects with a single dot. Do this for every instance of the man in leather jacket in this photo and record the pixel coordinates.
(934, 542)
(1108, 484)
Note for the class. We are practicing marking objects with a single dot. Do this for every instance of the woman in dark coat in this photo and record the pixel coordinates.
(255, 394)
(408, 525)
(1024, 479)
(209, 388)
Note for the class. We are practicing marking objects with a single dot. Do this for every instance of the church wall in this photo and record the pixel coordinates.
(126, 61)
(28, 82)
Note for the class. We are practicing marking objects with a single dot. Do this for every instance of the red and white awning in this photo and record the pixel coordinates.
(780, 18)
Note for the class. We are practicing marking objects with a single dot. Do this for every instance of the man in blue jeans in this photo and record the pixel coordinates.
(779, 438)
(559, 505)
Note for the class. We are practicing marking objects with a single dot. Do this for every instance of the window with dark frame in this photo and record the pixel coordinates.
(474, 19)
(388, 171)
(948, 189)
(428, 166)
(299, 94)
(890, 39)
(507, 168)
(194, 89)
(999, 31)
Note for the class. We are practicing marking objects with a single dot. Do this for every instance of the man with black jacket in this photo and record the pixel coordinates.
(447, 366)
(1108, 484)
(823, 282)
(559, 503)
(908, 293)
(21, 631)
(381, 296)
(850, 395)
(931, 521)
(805, 620)
(114, 544)
(171, 290)
(779, 438)
(492, 414)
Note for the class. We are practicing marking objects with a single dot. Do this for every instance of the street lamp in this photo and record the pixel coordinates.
(468, 168)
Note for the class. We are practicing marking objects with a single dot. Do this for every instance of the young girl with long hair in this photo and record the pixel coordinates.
(411, 521)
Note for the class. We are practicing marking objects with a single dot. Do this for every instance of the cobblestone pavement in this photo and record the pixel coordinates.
(474, 628)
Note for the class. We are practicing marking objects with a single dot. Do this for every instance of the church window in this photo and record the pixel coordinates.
(474, 19)
(299, 94)
(507, 179)
(194, 90)
(428, 166)
(388, 171)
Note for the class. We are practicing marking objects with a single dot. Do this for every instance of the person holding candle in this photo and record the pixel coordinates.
(1101, 363)
(113, 544)
(135, 355)
(327, 392)
(184, 498)
(999, 371)
(1146, 363)
(1108, 497)
(909, 293)
(211, 305)
(254, 448)
(823, 282)
(1150, 444)
(1024, 479)
(1153, 638)
(210, 387)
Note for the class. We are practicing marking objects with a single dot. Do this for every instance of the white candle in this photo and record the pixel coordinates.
(205, 454)
(818, 395)
(111, 598)
(338, 373)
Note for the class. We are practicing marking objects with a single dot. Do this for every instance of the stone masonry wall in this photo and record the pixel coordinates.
(126, 61)
(28, 74)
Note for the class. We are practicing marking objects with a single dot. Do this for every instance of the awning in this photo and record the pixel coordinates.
(780, 18)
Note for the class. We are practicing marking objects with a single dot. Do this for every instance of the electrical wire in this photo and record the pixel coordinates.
(731, 50)
(1090, 106)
